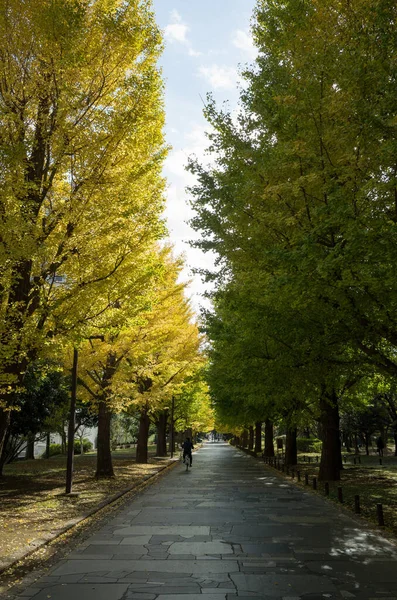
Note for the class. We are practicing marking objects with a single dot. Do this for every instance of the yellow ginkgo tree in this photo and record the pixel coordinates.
(81, 146)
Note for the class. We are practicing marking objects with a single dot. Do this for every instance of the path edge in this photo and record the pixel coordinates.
(42, 542)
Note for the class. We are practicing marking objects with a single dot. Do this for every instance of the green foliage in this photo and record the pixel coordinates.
(309, 445)
(87, 446)
(55, 450)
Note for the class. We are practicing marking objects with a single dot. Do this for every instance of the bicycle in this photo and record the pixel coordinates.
(186, 460)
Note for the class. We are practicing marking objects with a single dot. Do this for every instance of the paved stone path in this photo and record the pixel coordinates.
(228, 529)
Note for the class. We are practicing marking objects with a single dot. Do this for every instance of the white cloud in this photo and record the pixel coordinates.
(220, 77)
(243, 41)
(177, 31)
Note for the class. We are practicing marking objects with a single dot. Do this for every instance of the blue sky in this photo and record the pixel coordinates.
(205, 43)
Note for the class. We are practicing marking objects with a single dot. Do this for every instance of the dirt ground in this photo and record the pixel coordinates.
(32, 501)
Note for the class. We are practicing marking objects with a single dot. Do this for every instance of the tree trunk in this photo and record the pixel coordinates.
(5, 417)
(269, 445)
(251, 438)
(4, 453)
(63, 442)
(161, 427)
(258, 436)
(291, 449)
(104, 468)
(143, 436)
(47, 445)
(244, 439)
(30, 447)
(367, 438)
(331, 456)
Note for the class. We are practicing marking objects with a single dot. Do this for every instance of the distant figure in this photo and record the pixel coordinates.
(380, 445)
(187, 449)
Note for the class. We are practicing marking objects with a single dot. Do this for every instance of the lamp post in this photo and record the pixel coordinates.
(172, 426)
(72, 421)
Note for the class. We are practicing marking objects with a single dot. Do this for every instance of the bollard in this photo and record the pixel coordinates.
(380, 461)
(326, 488)
(359, 460)
(314, 483)
(340, 495)
(357, 508)
(345, 459)
(379, 512)
(306, 479)
(354, 460)
(298, 473)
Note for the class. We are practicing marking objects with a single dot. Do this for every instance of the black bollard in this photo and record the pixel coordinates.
(357, 508)
(380, 461)
(306, 479)
(340, 495)
(326, 488)
(379, 512)
(314, 483)
(298, 473)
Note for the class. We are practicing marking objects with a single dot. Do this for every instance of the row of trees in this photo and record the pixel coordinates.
(83, 263)
(300, 207)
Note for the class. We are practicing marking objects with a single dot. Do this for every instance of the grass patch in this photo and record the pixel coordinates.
(374, 483)
(32, 504)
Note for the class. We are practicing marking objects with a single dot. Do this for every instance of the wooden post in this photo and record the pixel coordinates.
(72, 420)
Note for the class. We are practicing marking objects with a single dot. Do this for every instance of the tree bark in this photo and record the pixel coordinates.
(4, 453)
(29, 455)
(258, 436)
(143, 436)
(291, 449)
(47, 445)
(244, 439)
(104, 467)
(251, 438)
(161, 427)
(331, 456)
(5, 418)
(269, 445)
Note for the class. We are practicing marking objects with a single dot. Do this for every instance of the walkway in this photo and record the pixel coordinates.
(227, 529)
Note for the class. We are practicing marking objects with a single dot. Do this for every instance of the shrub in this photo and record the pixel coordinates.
(87, 446)
(55, 449)
(309, 445)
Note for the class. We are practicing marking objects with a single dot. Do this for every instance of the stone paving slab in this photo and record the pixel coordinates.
(228, 529)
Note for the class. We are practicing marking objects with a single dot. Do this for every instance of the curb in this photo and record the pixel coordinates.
(44, 541)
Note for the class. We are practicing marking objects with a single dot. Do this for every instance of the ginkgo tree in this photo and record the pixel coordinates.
(300, 203)
(81, 141)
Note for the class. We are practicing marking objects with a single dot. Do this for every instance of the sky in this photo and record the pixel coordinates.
(206, 42)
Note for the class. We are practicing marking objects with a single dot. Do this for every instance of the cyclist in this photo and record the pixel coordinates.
(187, 449)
